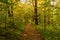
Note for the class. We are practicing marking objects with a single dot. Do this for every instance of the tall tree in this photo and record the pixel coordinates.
(36, 19)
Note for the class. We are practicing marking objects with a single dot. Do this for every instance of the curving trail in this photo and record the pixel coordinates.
(30, 33)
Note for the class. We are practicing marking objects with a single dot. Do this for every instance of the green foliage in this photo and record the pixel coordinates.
(4, 1)
(49, 33)
(11, 27)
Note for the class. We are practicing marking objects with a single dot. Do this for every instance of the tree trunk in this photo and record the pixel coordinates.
(36, 19)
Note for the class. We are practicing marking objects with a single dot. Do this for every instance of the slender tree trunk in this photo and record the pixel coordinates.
(36, 19)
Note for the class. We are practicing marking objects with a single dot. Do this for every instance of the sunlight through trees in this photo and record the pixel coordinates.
(15, 14)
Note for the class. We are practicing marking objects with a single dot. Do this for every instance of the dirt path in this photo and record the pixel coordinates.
(30, 33)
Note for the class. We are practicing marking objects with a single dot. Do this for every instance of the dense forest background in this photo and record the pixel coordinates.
(43, 14)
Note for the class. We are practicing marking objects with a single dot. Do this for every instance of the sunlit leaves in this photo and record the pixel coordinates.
(24, 13)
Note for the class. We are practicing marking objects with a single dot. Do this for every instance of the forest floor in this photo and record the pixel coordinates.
(30, 33)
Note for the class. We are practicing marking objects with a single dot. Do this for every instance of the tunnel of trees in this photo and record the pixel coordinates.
(43, 14)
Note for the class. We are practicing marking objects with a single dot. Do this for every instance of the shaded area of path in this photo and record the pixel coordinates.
(30, 33)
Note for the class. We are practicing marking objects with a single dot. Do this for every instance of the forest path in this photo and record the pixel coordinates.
(30, 33)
